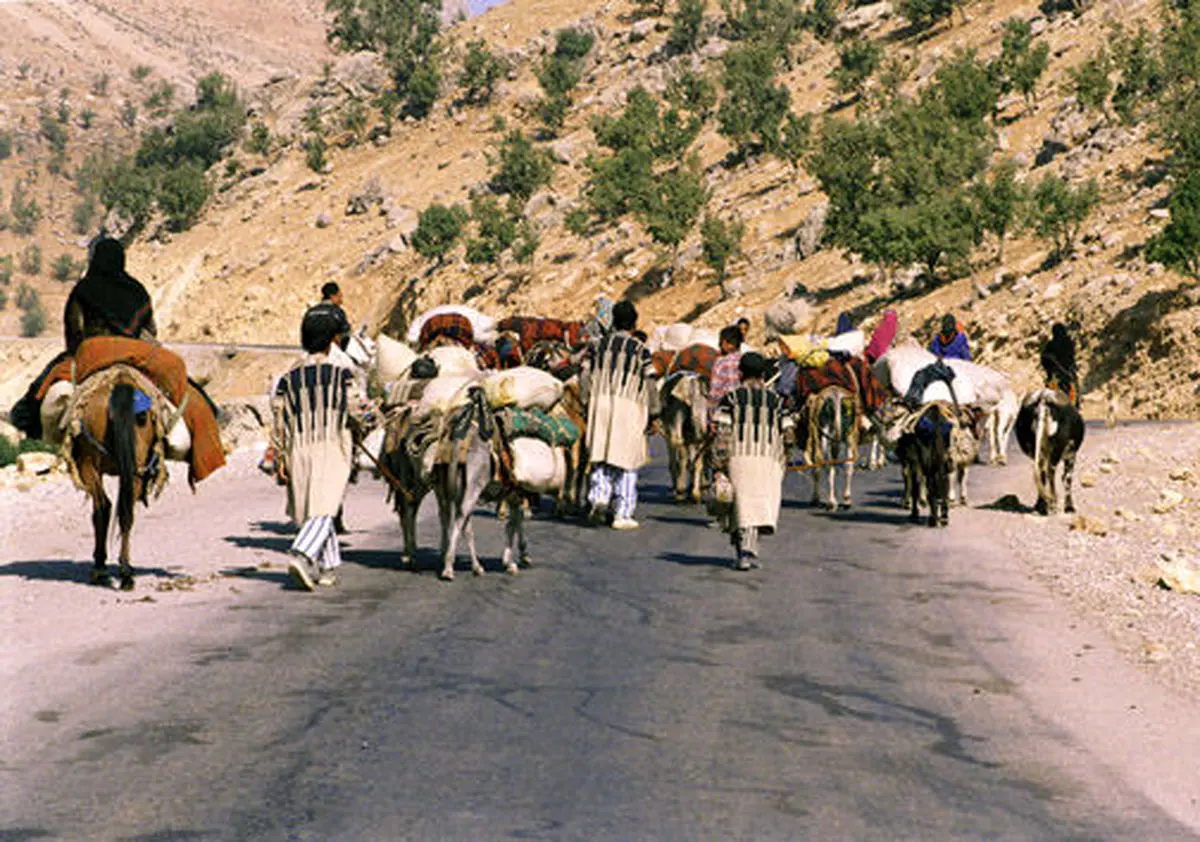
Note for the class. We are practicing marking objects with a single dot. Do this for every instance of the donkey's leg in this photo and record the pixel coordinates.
(513, 536)
(469, 533)
(831, 473)
(126, 566)
(1069, 480)
(449, 543)
(851, 458)
(697, 472)
(408, 528)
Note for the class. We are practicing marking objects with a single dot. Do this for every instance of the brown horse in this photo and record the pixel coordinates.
(110, 437)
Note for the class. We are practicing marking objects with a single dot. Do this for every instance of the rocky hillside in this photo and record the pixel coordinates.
(277, 229)
(85, 78)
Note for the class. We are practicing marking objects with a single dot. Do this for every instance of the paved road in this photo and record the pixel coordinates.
(631, 686)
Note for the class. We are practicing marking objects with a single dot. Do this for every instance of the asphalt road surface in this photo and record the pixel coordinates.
(629, 686)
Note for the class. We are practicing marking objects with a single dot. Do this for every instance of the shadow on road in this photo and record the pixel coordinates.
(697, 560)
(67, 570)
(1008, 503)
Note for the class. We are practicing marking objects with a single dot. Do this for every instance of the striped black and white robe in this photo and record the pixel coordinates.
(752, 420)
(313, 407)
(619, 382)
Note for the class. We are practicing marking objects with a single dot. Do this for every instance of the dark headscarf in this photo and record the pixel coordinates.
(1058, 355)
(752, 365)
(110, 296)
(949, 328)
(844, 325)
(320, 326)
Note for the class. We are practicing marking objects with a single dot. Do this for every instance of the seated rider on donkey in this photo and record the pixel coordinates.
(108, 303)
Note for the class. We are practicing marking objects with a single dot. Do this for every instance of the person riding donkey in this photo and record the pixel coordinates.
(109, 320)
(750, 458)
(316, 408)
(1058, 361)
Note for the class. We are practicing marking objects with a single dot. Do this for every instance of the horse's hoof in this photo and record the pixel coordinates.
(510, 569)
(126, 583)
(446, 575)
(831, 507)
(1069, 509)
(1003, 460)
(845, 507)
(100, 577)
(476, 571)
(526, 562)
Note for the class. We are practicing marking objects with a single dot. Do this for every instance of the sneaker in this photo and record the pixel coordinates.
(625, 523)
(327, 579)
(301, 573)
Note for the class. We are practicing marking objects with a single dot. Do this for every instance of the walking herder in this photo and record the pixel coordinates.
(317, 406)
(617, 383)
(751, 453)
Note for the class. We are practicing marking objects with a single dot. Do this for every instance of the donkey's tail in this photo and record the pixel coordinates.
(122, 432)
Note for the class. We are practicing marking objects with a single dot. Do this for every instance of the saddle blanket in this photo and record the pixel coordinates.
(534, 423)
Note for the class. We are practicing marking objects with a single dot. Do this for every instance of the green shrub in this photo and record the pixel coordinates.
(314, 153)
(578, 221)
(182, 192)
(53, 131)
(23, 210)
(6, 269)
(754, 106)
(573, 44)
(259, 142)
(858, 59)
(6, 145)
(619, 184)
(438, 231)
(128, 114)
(86, 118)
(926, 14)
(31, 259)
(33, 315)
(63, 268)
(158, 102)
(141, 72)
(721, 240)
(1178, 244)
(481, 71)
(129, 190)
(773, 24)
(424, 85)
(1059, 211)
(100, 85)
(1090, 81)
(693, 92)
(403, 32)
(687, 27)
(524, 168)
(675, 205)
(527, 243)
(496, 230)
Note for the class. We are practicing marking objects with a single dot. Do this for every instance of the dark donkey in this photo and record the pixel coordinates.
(925, 458)
(1050, 430)
(117, 431)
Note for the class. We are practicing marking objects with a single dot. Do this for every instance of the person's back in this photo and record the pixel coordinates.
(107, 300)
(1058, 362)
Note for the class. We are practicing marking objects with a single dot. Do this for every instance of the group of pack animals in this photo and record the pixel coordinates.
(463, 455)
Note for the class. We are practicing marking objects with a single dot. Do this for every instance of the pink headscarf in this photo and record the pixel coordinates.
(883, 336)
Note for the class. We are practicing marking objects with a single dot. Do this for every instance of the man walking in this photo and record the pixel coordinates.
(751, 423)
(315, 406)
(617, 382)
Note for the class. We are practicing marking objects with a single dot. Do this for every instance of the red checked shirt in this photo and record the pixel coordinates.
(726, 377)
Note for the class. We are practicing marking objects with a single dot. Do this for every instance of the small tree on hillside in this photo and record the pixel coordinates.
(1000, 203)
(1142, 74)
(481, 71)
(496, 230)
(524, 168)
(404, 32)
(23, 210)
(926, 14)
(182, 193)
(1059, 211)
(1021, 62)
(721, 240)
(687, 27)
(858, 59)
(675, 205)
(754, 105)
(692, 92)
(1178, 245)
(1091, 83)
(33, 315)
(438, 231)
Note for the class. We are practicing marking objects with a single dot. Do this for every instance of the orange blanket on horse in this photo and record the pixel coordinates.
(853, 375)
(167, 371)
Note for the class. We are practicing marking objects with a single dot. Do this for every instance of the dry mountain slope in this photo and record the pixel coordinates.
(263, 248)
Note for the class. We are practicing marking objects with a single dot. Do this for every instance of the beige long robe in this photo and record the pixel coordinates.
(314, 405)
(754, 422)
(618, 383)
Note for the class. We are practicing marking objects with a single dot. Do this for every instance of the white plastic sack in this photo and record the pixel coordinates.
(454, 360)
(445, 393)
(484, 327)
(705, 336)
(392, 358)
(990, 386)
(896, 369)
(523, 387)
(537, 466)
(53, 407)
(852, 342)
(372, 444)
(673, 337)
(179, 440)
